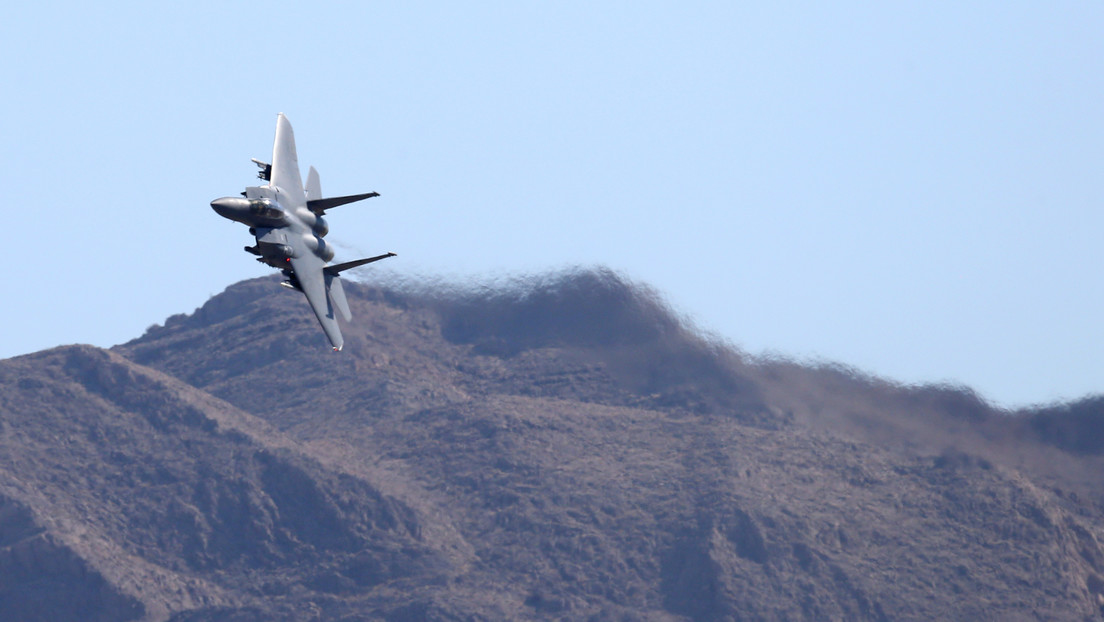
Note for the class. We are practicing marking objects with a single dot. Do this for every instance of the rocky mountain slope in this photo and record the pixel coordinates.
(562, 448)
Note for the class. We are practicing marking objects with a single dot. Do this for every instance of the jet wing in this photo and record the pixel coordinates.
(308, 270)
(285, 166)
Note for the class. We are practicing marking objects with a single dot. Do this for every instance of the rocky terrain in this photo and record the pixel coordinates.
(558, 448)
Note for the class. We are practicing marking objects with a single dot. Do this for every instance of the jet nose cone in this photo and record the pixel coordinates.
(229, 206)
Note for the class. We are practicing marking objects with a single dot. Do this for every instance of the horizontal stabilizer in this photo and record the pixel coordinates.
(341, 267)
(319, 206)
(337, 295)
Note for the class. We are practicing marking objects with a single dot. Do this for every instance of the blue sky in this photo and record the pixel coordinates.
(912, 189)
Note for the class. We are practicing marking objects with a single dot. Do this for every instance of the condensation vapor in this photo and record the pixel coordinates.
(629, 328)
(624, 326)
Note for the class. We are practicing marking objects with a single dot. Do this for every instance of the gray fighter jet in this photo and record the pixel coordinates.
(286, 218)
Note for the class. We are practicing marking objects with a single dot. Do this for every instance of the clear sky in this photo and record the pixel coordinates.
(910, 188)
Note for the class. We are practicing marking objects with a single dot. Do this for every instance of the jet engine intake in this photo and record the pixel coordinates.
(275, 251)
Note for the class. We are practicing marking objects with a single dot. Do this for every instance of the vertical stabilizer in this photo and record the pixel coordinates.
(314, 185)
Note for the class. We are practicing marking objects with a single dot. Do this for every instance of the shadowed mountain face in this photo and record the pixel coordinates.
(560, 448)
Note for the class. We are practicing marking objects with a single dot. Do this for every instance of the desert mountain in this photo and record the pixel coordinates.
(559, 448)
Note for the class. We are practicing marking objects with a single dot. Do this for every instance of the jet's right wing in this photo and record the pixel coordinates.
(308, 269)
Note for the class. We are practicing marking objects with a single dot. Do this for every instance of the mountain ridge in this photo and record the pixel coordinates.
(560, 447)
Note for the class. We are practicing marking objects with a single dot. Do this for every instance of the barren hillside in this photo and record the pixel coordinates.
(564, 448)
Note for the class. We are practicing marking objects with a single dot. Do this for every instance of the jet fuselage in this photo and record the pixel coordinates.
(271, 224)
(285, 217)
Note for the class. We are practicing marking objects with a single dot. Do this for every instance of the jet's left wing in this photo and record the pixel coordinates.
(308, 271)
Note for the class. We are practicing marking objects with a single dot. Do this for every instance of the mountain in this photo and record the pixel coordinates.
(561, 447)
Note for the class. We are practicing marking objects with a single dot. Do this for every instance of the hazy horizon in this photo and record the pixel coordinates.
(908, 190)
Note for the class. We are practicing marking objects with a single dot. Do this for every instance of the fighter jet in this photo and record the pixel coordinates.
(286, 219)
